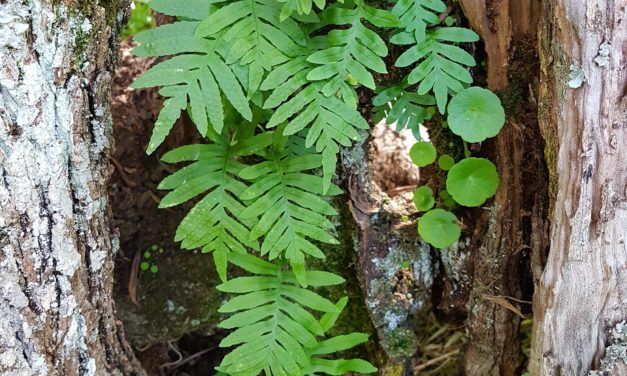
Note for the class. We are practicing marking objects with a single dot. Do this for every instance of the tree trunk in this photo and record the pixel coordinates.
(513, 229)
(55, 228)
(581, 294)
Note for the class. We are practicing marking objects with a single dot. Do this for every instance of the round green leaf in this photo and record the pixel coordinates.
(475, 114)
(144, 265)
(423, 198)
(422, 153)
(446, 162)
(472, 181)
(439, 228)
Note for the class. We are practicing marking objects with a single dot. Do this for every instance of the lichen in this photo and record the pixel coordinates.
(615, 358)
(181, 297)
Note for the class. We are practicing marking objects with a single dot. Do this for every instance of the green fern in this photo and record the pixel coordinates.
(416, 15)
(197, 75)
(275, 330)
(443, 67)
(255, 34)
(329, 121)
(405, 108)
(276, 100)
(288, 205)
(193, 9)
(351, 51)
(301, 7)
(214, 223)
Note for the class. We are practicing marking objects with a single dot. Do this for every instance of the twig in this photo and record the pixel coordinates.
(436, 360)
(122, 173)
(132, 280)
(168, 364)
(180, 363)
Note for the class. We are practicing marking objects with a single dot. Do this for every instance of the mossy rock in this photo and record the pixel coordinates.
(179, 298)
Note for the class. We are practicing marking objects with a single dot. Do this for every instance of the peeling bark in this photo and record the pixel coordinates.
(514, 228)
(55, 228)
(581, 293)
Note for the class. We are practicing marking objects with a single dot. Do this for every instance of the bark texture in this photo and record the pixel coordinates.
(513, 228)
(56, 236)
(582, 292)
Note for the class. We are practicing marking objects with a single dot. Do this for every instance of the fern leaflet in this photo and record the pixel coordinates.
(329, 120)
(287, 202)
(214, 223)
(352, 51)
(443, 66)
(416, 15)
(255, 35)
(275, 331)
(198, 73)
(406, 109)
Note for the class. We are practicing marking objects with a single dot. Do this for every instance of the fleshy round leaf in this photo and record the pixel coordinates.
(423, 198)
(422, 153)
(446, 162)
(472, 181)
(476, 114)
(438, 227)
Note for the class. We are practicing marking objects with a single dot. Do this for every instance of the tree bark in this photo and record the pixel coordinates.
(55, 228)
(513, 229)
(581, 294)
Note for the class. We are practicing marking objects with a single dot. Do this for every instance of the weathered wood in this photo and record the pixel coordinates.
(506, 235)
(56, 236)
(582, 292)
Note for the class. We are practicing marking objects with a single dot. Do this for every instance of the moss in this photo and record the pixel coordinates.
(87, 8)
(552, 64)
(342, 260)
(177, 299)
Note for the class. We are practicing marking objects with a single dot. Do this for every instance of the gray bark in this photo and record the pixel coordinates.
(56, 238)
(581, 293)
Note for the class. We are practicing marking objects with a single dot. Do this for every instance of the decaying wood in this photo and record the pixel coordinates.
(56, 236)
(582, 292)
(513, 228)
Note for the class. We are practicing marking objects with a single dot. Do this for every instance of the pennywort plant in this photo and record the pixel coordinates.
(271, 86)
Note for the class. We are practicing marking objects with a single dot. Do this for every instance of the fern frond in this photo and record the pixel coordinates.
(329, 121)
(405, 108)
(353, 51)
(255, 34)
(195, 78)
(301, 7)
(416, 15)
(290, 209)
(443, 67)
(192, 9)
(271, 315)
(320, 365)
(214, 223)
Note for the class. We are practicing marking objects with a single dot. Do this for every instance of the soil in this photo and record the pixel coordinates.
(165, 343)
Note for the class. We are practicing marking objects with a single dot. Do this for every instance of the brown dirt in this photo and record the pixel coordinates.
(134, 195)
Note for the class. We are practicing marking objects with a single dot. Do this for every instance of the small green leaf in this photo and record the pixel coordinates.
(476, 114)
(147, 254)
(154, 269)
(472, 181)
(144, 265)
(446, 162)
(423, 198)
(422, 153)
(438, 227)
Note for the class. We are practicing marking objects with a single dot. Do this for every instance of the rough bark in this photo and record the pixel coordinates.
(581, 293)
(56, 230)
(513, 228)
